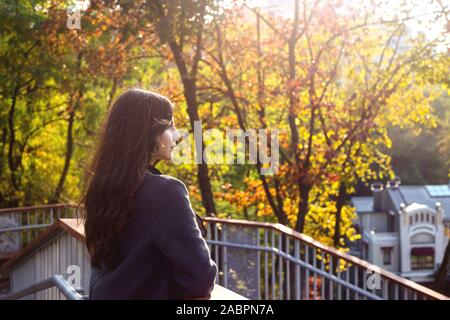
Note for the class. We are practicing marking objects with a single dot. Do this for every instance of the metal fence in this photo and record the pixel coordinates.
(19, 226)
(271, 261)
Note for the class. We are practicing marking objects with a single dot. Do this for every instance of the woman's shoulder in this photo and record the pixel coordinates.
(161, 178)
(163, 182)
(160, 190)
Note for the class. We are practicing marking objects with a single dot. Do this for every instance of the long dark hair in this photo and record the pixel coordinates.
(122, 156)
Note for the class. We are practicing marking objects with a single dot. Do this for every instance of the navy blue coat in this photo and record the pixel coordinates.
(164, 255)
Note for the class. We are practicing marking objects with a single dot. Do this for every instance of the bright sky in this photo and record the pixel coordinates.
(424, 10)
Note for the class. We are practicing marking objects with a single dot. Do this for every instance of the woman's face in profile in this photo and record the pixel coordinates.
(167, 141)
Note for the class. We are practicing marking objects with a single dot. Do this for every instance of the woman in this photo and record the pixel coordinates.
(144, 238)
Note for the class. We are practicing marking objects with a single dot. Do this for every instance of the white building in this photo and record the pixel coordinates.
(404, 228)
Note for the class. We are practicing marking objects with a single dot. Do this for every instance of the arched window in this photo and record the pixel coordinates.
(422, 238)
(422, 258)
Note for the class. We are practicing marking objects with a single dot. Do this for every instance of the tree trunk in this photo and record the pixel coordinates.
(13, 165)
(303, 207)
(190, 93)
(68, 157)
(205, 189)
(339, 204)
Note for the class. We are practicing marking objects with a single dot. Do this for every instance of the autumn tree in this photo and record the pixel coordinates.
(338, 77)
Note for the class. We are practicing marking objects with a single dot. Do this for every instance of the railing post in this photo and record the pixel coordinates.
(28, 231)
(297, 270)
(216, 252)
(208, 236)
(258, 264)
(322, 282)
(35, 212)
(225, 261)
(266, 267)
(330, 272)
(338, 273)
(273, 264)
(280, 266)
(347, 279)
(288, 270)
(385, 288)
(307, 273)
(315, 274)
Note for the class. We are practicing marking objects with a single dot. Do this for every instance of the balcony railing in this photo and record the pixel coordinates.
(266, 261)
(19, 226)
(280, 263)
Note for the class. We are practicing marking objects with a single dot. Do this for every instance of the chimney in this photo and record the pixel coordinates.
(439, 212)
(403, 214)
(397, 181)
(377, 190)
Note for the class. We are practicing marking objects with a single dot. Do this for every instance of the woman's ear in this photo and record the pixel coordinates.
(157, 143)
(156, 147)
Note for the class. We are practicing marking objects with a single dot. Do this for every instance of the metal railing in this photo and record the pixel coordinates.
(288, 265)
(271, 261)
(57, 281)
(20, 226)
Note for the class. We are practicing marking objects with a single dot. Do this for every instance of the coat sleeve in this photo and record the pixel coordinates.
(178, 236)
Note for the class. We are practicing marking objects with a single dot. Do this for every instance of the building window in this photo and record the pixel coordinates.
(422, 238)
(421, 217)
(432, 219)
(410, 220)
(387, 260)
(422, 258)
(416, 218)
(365, 249)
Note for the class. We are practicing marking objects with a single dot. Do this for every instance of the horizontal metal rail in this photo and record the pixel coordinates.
(57, 281)
(20, 226)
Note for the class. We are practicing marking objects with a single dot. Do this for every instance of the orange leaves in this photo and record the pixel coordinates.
(194, 192)
(252, 196)
(294, 84)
